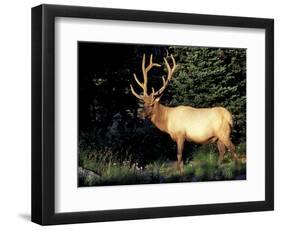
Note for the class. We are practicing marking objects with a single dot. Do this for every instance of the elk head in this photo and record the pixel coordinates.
(150, 100)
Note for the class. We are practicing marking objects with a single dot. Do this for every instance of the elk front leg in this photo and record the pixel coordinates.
(180, 144)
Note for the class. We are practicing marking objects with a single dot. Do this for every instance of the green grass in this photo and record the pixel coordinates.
(202, 166)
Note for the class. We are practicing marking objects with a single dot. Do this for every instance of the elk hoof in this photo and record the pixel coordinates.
(180, 167)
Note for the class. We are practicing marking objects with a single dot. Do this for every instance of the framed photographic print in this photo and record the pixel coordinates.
(142, 114)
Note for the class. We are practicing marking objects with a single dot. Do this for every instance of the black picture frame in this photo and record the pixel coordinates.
(43, 110)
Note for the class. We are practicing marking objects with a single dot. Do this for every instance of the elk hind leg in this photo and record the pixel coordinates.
(231, 147)
(221, 148)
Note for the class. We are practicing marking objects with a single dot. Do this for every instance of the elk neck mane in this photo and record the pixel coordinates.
(159, 116)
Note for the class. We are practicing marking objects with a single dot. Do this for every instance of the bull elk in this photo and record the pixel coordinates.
(184, 123)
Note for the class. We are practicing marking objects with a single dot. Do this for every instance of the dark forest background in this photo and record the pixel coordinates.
(108, 112)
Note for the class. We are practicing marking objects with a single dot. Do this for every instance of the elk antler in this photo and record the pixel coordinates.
(169, 77)
(144, 73)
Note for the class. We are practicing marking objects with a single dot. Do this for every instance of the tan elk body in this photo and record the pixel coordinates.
(185, 123)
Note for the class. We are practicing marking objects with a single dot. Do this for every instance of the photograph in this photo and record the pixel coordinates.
(150, 114)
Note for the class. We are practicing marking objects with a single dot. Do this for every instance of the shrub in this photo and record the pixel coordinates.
(115, 171)
(199, 173)
(228, 170)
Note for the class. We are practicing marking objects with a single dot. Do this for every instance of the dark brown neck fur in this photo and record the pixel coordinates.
(159, 117)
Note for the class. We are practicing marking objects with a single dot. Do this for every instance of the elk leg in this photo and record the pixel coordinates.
(180, 144)
(221, 148)
(231, 148)
(233, 151)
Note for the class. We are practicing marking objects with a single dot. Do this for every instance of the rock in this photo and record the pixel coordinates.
(87, 175)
